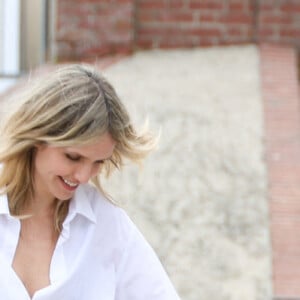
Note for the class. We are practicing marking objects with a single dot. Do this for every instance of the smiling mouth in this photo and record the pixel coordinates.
(69, 183)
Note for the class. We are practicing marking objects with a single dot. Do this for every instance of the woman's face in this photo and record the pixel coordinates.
(58, 171)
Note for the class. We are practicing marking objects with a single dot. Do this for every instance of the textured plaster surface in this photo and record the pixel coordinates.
(200, 199)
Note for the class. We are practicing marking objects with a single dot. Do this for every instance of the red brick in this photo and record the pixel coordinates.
(236, 6)
(176, 4)
(290, 7)
(236, 18)
(150, 31)
(125, 1)
(207, 18)
(293, 33)
(205, 32)
(146, 16)
(275, 19)
(145, 42)
(214, 5)
(151, 4)
(236, 31)
(176, 43)
(266, 7)
(169, 16)
(266, 32)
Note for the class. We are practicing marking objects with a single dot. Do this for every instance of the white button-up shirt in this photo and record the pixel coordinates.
(100, 255)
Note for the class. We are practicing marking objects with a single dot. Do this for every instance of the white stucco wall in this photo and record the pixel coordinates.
(201, 197)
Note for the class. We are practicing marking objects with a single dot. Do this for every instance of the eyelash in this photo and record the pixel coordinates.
(73, 158)
(77, 158)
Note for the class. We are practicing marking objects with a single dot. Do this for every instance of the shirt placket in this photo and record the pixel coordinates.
(11, 238)
(58, 269)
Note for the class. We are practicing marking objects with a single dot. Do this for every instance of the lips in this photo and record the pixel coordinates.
(69, 185)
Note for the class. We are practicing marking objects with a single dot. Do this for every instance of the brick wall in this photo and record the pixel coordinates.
(279, 22)
(91, 28)
(188, 23)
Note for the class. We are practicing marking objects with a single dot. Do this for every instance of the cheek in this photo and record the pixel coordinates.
(48, 162)
(40, 162)
(96, 170)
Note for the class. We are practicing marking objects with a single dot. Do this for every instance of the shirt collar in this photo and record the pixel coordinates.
(4, 209)
(81, 204)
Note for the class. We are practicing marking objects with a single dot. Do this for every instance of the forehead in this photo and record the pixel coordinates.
(102, 146)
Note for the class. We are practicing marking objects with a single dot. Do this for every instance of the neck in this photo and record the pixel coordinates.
(39, 208)
(38, 228)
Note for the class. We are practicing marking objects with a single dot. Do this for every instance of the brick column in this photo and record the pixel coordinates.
(282, 125)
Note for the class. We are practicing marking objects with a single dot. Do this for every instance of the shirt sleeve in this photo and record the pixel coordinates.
(140, 275)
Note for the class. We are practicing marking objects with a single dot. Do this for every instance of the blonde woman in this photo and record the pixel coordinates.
(60, 238)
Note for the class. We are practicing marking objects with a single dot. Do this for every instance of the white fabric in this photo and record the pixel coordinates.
(100, 255)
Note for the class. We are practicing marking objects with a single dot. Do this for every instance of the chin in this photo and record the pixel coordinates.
(64, 198)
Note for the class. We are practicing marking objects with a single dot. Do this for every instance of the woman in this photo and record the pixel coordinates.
(60, 236)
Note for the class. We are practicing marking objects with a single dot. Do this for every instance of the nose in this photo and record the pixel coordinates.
(83, 173)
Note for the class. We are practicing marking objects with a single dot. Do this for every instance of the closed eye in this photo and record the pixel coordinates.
(76, 157)
(73, 157)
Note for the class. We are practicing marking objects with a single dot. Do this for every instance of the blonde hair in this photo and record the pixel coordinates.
(71, 106)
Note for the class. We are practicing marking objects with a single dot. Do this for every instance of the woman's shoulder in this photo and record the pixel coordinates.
(111, 221)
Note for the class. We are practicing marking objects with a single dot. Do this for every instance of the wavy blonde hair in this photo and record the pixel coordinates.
(71, 106)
